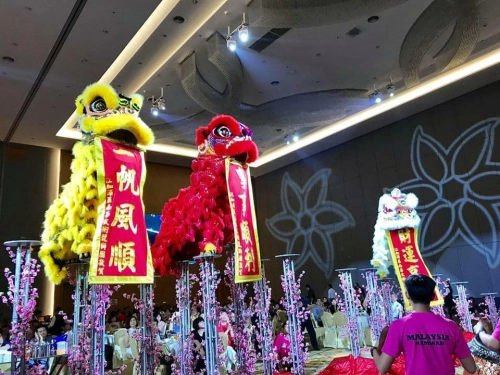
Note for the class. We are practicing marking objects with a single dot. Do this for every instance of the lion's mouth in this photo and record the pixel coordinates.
(241, 158)
(123, 135)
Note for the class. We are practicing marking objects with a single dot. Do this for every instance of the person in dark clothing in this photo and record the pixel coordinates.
(311, 296)
(307, 324)
(57, 323)
(449, 303)
(198, 335)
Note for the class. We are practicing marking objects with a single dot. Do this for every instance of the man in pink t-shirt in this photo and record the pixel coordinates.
(427, 340)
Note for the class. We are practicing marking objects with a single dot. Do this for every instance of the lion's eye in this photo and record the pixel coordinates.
(223, 131)
(98, 105)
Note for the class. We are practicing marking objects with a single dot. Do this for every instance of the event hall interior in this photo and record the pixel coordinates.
(349, 102)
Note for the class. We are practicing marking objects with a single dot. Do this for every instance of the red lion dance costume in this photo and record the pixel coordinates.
(199, 219)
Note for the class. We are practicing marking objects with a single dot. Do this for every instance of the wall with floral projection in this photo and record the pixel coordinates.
(324, 207)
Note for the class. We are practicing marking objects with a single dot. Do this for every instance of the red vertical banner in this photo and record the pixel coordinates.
(120, 252)
(246, 238)
(407, 259)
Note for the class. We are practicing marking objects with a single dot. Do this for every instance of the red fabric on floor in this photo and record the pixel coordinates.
(360, 366)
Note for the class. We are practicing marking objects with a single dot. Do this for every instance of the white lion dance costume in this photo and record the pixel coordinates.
(395, 241)
(395, 211)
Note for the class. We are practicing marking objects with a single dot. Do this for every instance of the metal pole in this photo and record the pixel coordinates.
(265, 329)
(183, 301)
(385, 291)
(20, 266)
(352, 311)
(93, 333)
(144, 351)
(97, 331)
(209, 283)
(294, 326)
(374, 303)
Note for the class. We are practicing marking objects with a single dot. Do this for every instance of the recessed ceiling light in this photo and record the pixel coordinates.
(274, 83)
(373, 19)
(8, 59)
(278, 130)
(178, 19)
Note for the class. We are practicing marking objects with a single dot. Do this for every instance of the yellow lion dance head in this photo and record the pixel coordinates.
(70, 221)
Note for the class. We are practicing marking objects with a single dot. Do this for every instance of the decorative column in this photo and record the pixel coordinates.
(98, 319)
(351, 309)
(79, 339)
(386, 291)
(292, 296)
(20, 299)
(265, 337)
(245, 356)
(209, 283)
(182, 288)
(148, 342)
(377, 321)
(489, 299)
(463, 306)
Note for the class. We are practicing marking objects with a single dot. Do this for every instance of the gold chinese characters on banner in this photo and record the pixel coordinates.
(246, 249)
(120, 253)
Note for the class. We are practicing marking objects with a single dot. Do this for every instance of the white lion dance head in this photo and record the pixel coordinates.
(395, 211)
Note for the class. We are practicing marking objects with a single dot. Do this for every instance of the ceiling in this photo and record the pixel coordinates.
(307, 70)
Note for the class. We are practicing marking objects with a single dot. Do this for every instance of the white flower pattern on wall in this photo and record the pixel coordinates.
(456, 186)
(306, 224)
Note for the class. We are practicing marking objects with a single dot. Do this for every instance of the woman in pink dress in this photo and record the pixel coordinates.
(281, 347)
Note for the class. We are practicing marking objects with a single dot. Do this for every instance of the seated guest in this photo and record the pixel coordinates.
(224, 326)
(57, 323)
(132, 330)
(162, 325)
(175, 325)
(317, 310)
(489, 337)
(5, 338)
(198, 339)
(194, 314)
(281, 347)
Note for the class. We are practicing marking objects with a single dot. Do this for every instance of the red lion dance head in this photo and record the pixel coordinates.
(199, 219)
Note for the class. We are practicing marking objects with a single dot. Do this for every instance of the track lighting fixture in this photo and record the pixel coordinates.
(157, 104)
(375, 95)
(242, 31)
(231, 43)
(390, 88)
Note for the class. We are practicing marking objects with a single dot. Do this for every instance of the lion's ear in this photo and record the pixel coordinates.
(201, 134)
(80, 108)
(137, 101)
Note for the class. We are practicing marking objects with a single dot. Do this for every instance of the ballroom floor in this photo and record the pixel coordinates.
(318, 360)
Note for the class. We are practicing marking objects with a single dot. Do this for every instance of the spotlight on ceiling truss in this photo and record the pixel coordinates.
(157, 104)
(375, 96)
(243, 34)
(390, 88)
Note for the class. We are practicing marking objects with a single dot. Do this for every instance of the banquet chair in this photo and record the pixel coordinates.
(117, 354)
(128, 358)
(368, 337)
(229, 354)
(340, 320)
(320, 331)
(330, 330)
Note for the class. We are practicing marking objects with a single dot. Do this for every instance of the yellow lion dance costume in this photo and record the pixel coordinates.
(70, 222)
